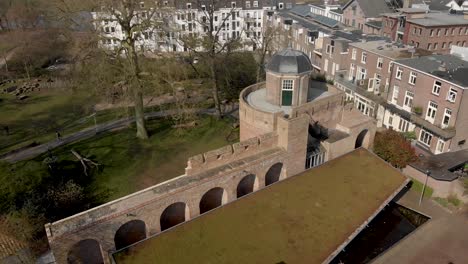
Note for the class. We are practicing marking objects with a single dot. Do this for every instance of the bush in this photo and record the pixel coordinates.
(411, 135)
(394, 148)
(417, 110)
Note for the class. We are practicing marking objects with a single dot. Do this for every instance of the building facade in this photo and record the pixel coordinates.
(173, 21)
(430, 98)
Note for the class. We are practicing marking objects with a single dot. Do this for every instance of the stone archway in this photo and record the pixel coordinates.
(174, 214)
(212, 199)
(360, 138)
(85, 251)
(273, 174)
(247, 185)
(129, 233)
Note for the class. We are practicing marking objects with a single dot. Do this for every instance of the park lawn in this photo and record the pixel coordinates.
(302, 219)
(36, 119)
(129, 164)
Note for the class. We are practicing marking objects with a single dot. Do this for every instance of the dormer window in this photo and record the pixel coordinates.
(189, 5)
(233, 4)
(142, 4)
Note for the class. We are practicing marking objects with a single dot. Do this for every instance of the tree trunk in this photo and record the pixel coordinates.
(215, 89)
(139, 114)
(137, 93)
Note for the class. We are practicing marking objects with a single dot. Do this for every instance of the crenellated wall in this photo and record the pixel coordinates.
(230, 153)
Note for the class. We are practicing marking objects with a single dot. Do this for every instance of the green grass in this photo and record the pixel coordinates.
(418, 186)
(129, 164)
(36, 118)
(299, 220)
(450, 201)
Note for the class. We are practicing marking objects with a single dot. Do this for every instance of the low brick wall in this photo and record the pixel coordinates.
(441, 188)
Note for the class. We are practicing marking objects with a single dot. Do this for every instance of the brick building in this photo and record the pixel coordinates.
(365, 14)
(435, 32)
(428, 95)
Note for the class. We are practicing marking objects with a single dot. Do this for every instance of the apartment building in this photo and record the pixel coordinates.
(232, 19)
(435, 31)
(329, 8)
(428, 95)
(366, 14)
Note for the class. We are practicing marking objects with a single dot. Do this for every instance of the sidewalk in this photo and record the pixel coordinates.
(443, 239)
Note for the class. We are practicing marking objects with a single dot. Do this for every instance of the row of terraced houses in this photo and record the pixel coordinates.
(392, 57)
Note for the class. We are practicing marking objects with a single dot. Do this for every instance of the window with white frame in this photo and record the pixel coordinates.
(412, 78)
(436, 88)
(408, 103)
(364, 57)
(255, 3)
(247, 4)
(399, 73)
(440, 146)
(425, 137)
(390, 67)
(287, 85)
(233, 4)
(189, 5)
(446, 119)
(353, 54)
(390, 121)
(452, 95)
(396, 92)
(431, 111)
(403, 126)
(362, 73)
(379, 63)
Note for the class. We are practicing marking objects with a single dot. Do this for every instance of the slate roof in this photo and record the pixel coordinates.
(456, 68)
(305, 22)
(304, 11)
(289, 61)
(371, 8)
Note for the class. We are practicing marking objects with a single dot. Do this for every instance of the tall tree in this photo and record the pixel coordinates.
(215, 44)
(264, 44)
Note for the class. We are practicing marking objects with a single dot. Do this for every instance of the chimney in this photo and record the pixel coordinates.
(442, 67)
(407, 3)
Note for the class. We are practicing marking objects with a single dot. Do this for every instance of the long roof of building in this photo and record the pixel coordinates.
(440, 19)
(304, 218)
(447, 67)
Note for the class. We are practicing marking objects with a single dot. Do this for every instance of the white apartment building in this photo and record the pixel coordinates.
(237, 19)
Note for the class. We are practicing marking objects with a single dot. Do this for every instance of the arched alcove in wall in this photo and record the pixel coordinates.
(129, 233)
(212, 199)
(174, 214)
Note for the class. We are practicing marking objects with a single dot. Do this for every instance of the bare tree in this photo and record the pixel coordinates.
(264, 44)
(214, 41)
(135, 23)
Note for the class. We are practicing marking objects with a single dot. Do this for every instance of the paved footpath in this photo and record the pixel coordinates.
(441, 240)
(92, 131)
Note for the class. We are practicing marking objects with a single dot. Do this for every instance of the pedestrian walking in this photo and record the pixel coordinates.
(7, 130)
(58, 135)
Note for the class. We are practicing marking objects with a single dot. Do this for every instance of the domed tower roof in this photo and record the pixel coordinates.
(289, 61)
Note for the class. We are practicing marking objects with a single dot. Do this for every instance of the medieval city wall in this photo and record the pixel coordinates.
(223, 168)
